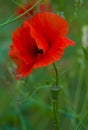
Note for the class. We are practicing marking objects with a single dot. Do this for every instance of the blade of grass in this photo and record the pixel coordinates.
(18, 17)
(81, 119)
(79, 85)
(17, 3)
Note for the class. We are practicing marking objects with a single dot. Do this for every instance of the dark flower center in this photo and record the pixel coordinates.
(39, 51)
(36, 51)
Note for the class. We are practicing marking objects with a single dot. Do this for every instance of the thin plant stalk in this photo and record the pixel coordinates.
(56, 73)
(54, 91)
(18, 17)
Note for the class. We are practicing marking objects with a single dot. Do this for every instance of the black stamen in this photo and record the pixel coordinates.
(39, 51)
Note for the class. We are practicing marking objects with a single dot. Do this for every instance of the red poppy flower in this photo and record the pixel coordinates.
(44, 6)
(40, 41)
(25, 7)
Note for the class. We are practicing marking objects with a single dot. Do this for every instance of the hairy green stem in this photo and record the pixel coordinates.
(16, 18)
(54, 91)
(56, 73)
(55, 111)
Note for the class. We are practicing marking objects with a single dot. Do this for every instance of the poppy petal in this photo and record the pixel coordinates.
(15, 53)
(24, 69)
(23, 43)
(50, 25)
(40, 40)
(54, 53)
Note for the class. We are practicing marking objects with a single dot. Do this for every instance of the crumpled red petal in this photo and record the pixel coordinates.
(40, 40)
(50, 25)
(54, 53)
(23, 70)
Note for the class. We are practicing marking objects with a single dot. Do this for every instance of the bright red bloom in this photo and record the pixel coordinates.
(40, 41)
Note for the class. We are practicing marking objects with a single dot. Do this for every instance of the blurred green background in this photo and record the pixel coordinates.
(27, 104)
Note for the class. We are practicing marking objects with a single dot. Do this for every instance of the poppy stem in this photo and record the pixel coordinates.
(54, 92)
(18, 17)
(56, 72)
